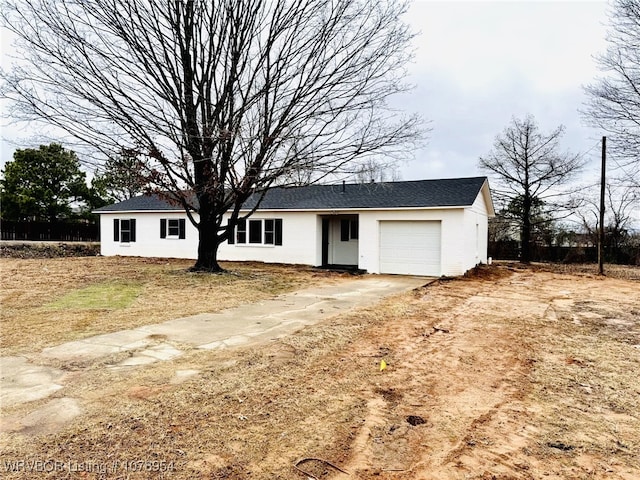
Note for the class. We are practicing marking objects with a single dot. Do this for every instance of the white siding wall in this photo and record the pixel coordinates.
(452, 262)
(299, 241)
(148, 242)
(476, 233)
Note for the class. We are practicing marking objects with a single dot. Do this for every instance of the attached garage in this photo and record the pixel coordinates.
(410, 247)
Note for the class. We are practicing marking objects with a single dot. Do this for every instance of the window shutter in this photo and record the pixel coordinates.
(231, 238)
(116, 230)
(278, 231)
(182, 228)
(163, 228)
(133, 229)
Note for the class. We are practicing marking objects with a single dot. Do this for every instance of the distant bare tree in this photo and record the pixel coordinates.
(220, 98)
(621, 201)
(374, 170)
(528, 173)
(501, 228)
(614, 100)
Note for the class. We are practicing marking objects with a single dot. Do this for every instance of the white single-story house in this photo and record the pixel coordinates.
(424, 227)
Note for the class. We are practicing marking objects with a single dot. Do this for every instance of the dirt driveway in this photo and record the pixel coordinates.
(511, 374)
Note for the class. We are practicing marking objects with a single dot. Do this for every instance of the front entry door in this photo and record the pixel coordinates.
(340, 240)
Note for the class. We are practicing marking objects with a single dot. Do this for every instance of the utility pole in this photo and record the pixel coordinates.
(602, 188)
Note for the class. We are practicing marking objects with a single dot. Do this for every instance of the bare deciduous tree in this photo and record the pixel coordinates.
(529, 172)
(221, 98)
(621, 201)
(375, 171)
(614, 100)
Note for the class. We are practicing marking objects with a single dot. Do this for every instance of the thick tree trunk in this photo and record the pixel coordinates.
(207, 252)
(208, 241)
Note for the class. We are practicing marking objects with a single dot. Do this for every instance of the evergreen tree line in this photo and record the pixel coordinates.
(47, 184)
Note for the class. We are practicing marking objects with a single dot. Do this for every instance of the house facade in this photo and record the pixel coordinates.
(427, 227)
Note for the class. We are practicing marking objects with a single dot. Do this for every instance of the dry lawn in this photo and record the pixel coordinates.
(512, 373)
(49, 301)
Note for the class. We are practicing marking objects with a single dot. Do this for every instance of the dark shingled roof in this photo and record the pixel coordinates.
(142, 202)
(452, 192)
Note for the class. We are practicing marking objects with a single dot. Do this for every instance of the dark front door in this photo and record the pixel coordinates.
(325, 242)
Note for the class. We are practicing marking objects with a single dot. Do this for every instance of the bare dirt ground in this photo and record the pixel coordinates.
(512, 373)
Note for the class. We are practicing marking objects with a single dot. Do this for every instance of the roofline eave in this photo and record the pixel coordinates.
(488, 199)
(303, 210)
(100, 212)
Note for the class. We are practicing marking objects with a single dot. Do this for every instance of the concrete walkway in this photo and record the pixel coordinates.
(22, 381)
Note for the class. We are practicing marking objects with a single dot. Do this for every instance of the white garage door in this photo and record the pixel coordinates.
(410, 248)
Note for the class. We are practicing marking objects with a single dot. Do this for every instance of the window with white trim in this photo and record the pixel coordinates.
(172, 228)
(124, 230)
(259, 231)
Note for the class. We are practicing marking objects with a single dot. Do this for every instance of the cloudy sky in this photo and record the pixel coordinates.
(477, 65)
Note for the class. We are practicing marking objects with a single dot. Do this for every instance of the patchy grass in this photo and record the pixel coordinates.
(102, 296)
(49, 301)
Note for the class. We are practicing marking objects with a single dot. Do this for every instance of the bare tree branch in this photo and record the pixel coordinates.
(221, 99)
(614, 99)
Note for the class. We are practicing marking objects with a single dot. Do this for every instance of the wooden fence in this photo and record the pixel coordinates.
(510, 250)
(45, 231)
